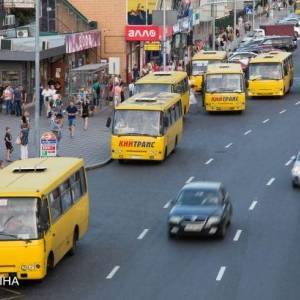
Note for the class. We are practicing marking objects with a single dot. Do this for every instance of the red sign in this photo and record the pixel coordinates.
(148, 33)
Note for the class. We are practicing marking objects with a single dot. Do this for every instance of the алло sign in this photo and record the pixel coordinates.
(147, 33)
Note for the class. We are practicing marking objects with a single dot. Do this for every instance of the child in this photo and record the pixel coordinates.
(8, 144)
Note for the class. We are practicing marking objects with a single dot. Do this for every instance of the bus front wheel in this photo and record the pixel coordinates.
(74, 243)
(166, 154)
(50, 263)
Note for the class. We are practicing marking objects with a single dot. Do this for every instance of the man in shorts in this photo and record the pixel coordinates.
(72, 112)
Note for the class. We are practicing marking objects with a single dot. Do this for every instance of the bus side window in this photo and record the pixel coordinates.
(55, 207)
(285, 68)
(65, 195)
(173, 114)
(167, 121)
(75, 186)
(178, 109)
(83, 181)
(43, 216)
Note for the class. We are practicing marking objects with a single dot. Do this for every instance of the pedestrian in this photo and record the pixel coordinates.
(122, 91)
(46, 93)
(117, 95)
(8, 144)
(56, 126)
(24, 98)
(18, 101)
(96, 93)
(8, 96)
(24, 138)
(72, 112)
(85, 113)
(131, 88)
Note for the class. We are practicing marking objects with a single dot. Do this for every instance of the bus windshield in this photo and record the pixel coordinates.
(265, 71)
(200, 66)
(18, 218)
(153, 87)
(137, 122)
(224, 83)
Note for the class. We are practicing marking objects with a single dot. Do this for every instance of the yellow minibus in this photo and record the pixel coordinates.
(271, 74)
(200, 61)
(297, 7)
(224, 88)
(147, 126)
(170, 82)
(44, 211)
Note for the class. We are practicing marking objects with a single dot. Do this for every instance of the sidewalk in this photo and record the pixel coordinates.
(93, 145)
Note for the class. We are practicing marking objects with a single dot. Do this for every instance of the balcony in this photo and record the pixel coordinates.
(18, 3)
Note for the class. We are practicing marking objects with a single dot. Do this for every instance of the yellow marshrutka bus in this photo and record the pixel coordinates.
(170, 82)
(44, 211)
(224, 88)
(200, 61)
(297, 7)
(147, 126)
(270, 74)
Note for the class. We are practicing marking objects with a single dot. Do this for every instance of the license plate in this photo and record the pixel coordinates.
(193, 227)
(136, 157)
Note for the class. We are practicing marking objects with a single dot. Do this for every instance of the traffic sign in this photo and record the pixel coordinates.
(48, 145)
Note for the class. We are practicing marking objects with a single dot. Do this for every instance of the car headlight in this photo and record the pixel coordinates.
(175, 219)
(213, 221)
(296, 171)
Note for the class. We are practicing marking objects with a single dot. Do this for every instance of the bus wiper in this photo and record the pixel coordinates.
(8, 234)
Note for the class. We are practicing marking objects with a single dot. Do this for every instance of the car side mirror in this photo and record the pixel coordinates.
(173, 201)
(108, 122)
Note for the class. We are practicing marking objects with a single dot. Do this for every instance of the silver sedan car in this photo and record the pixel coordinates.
(296, 171)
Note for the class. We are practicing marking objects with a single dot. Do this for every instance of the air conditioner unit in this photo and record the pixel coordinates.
(9, 20)
(22, 33)
(45, 45)
(6, 44)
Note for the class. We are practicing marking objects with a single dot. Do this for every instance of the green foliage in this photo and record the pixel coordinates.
(23, 17)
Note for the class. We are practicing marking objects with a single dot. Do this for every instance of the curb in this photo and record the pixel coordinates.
(98, 165)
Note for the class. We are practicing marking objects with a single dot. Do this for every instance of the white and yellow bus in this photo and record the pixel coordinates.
(44, 211)
(224, 88)
(147, 126)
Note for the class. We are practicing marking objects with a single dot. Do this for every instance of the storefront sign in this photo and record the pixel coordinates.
(81, 41)
(155, 46)
(48, 145)
(139, 12)
(142, 33)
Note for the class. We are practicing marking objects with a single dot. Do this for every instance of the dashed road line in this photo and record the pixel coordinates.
(190, 179)
(113, 272)
(237, 235)
(265, 121)
(167, 205)
(282, 111)
(270, 181)
(290, 161)
(143, 234)
(209, 161)
(253, 204)
(297, 103)
(247, 132)
(221, 273)
(229, 145)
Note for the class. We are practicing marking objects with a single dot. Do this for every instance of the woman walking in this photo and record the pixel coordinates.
(85, 113)
(8, 144)
(24, 136)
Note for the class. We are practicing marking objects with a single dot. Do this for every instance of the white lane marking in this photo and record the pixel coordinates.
(290, 161)
(237, 235)
(283, 111)
(265, 121)
(229, 145)
(113, 272)
(209, 161)
(190, 179)
(253, 204)
(142, 235)
(221, 273)
(247, 132)
(297, 103)
(270, 181)
(167, 205)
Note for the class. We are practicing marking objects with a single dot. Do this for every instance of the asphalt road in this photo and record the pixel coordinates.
(126, 253)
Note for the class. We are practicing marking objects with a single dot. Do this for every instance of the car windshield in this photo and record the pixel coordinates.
(18, 218)
(153, 87)
(199, 197)
(200, 66)
(272, 71)
(224, 83)
(137, 122)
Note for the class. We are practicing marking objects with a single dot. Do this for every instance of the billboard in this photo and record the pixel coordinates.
(139, 12)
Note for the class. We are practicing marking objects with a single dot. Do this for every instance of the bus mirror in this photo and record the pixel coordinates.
(108, 122)
(166, 122)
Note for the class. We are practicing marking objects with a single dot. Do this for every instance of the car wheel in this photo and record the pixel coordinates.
(294, 184)
(222, 231)
(171, 235)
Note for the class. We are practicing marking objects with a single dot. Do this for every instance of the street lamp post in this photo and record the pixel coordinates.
(37, 80)
(164, 36)
(253, 14)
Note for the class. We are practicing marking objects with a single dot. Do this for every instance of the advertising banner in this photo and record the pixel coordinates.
(48, 145)
(148, 33)
(139, 12)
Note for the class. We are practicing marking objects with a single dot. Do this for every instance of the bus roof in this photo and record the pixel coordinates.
(149, 101)
(210, 55)
(270, 57)
(230, 68)
(35, 176)
(171, 77)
